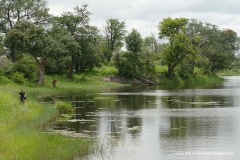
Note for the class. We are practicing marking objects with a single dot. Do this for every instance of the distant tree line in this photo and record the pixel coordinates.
(36, 42)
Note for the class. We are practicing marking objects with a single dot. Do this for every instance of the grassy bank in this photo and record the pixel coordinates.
(199, 81)
(21, 126)
(228, 72)
(20, 134)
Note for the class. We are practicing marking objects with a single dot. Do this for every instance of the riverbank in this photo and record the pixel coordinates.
(22, 134)
(22, 129)
(22, 137)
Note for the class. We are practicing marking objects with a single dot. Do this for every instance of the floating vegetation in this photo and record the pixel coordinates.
(101, 98)
(80, 120)
(154, 102)
(102, 108)
(67, 133)
(113, 120)
(133, 128)
(91, 115)
(200, 102)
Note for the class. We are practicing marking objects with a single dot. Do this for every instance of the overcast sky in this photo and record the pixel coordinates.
(145, 15)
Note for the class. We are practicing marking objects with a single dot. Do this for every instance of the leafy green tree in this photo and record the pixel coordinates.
(13, 11)
(57, 65)
(134, 45)
(147, 65)
(123, 64)
(129, 63)
(74, 23)
(179, 44)
(2, 50)
(150, 44)
(42, 44)
(14, 41)
(88, 40)
(114, 34)
(194, 31)
(236, 63)
(220, 47)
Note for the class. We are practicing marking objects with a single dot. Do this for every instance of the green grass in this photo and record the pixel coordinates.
(81, 81)
(21, 137)
(229, 72)
(38, 146)
(22, 126)
(198, 81)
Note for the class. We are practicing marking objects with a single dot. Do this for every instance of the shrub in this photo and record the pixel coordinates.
(4, 80)
(107, 70)
(5, 65)
(26, 66)
(64, 107)
(18, 77)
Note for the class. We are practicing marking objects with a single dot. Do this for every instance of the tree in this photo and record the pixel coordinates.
(194, 31)
(74, 22)
(88, 40)
(42, 44)
(114, 33)
(179, 44)
(13, 11)
(134, 45)
(220, 48)
(2, 50)
(14, 41)
(150, 44)
(135, 62)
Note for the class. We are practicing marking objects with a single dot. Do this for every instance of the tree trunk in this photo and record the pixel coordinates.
(192, 66)
(170, 71)
(71, 69)
(213, 67)
(12, 55)
(40, 70)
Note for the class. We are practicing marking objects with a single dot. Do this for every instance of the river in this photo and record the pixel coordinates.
(148, 123)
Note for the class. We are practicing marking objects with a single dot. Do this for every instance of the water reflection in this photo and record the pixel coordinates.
(148, 123)
(195, 101)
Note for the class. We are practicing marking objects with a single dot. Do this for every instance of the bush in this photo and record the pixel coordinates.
(107, 70)
(18, 77)
(5, 65)
(4, 80)
(64, 107)
(123, 62)
(26, 66)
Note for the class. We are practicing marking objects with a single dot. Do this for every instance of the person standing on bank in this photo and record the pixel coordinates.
(22, 96)
(54, 82)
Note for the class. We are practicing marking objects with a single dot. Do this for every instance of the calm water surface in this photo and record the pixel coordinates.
(154, 124)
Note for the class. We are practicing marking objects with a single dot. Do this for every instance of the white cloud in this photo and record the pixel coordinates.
(145, 15)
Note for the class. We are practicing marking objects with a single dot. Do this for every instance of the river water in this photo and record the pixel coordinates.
(152, 123)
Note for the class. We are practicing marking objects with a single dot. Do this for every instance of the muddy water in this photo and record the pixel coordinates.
(154, 124)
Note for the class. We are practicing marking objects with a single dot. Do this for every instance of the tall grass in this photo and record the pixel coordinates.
(21, 125)
(20, 134)
(229, 72)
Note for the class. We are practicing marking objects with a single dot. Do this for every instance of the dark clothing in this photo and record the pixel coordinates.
(54, 82)
(22, 96)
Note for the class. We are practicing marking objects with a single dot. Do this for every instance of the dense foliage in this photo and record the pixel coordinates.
(36, 42)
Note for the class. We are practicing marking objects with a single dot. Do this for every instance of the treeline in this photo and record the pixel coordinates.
(33, 42)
